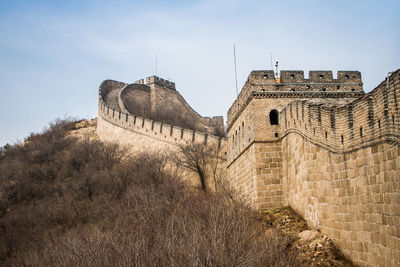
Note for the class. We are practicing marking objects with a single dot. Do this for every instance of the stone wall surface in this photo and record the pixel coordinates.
(342, 172)
(334, 157)
(158, 100)
(353, 197)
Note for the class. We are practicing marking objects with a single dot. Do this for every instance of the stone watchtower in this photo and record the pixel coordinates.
(255, 126)
(328, 150)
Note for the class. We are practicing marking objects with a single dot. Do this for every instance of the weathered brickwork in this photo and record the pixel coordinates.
(326, 149)
(353, 197)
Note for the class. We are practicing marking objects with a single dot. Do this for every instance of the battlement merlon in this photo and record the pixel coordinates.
(141, 81)
(268, 77)
(160, 81)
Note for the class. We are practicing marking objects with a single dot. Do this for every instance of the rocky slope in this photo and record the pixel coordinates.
(315, 248)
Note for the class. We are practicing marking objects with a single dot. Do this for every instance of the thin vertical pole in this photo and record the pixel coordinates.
(270, 57)
(156, 65)
(234, 58)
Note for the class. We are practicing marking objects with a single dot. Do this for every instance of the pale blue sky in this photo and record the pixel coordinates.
(54, 54)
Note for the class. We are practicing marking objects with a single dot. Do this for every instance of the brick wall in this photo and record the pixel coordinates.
(353, 197)
(335, 161)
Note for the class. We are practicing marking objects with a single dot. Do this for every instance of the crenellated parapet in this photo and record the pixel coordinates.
(373, 118)
(160, 81)
(296, 77)
(153, 134)
(338, 121)
(293, 84)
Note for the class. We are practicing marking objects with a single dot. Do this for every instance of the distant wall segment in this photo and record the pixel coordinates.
(141, 134)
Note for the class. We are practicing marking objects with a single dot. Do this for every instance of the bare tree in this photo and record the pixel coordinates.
(199, 158)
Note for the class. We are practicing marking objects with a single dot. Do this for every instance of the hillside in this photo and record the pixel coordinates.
(68, 199)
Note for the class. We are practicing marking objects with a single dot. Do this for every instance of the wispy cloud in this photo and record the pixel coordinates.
(64, 50)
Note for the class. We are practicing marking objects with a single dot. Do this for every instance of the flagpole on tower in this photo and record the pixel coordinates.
(156, 65)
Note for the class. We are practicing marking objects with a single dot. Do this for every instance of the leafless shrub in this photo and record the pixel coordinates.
(206, 162)
(197, 158)
(86, 203)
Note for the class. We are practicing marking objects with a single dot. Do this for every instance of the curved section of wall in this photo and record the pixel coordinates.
(135, 99)
(140, 133)
(109, 91)
(172, 107)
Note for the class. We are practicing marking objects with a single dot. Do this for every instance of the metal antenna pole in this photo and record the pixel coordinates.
(270, 57)
(234, 58)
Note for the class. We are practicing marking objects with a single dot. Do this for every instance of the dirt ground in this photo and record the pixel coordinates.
(85, 129)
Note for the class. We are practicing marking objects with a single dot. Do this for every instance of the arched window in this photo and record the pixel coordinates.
(273, 117)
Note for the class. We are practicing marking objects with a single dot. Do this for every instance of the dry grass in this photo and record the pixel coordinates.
(70, 202)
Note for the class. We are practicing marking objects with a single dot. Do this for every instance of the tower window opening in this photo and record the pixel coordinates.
(361, 132)
(347, 76)
(293, 89)
(379, 124)
(321, 76)
(274, 117)
(324, 89)
(338, 87)
(265, 76)
(292, 76)
(308, 87)
(342, 139)
(352, 89)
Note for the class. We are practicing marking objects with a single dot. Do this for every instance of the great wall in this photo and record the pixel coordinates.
(320, 145)
(116, 123)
